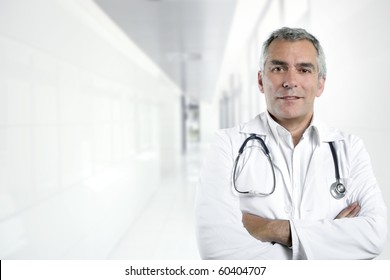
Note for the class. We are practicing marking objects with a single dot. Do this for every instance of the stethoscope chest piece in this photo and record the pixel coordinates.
(337, 190)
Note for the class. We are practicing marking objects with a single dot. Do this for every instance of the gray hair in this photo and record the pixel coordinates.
(295, 34)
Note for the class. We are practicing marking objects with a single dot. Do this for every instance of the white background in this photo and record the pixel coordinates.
(90, 164)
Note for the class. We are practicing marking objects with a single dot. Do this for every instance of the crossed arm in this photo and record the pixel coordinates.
(278, 231)
(224, 232)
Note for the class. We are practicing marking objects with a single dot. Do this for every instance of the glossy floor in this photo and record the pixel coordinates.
(165, 227)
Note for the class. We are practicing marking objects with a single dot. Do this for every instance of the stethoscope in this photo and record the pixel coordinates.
(337, 189)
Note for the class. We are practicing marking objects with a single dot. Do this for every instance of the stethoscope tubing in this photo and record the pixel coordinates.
(267, 153)
(337, 189)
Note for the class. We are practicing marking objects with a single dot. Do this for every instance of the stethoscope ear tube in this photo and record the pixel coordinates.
(337, 189)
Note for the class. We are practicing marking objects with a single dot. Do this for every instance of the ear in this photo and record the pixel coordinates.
(260, 81)
(321, 86)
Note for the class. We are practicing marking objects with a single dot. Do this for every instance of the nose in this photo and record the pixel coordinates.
(289, 80)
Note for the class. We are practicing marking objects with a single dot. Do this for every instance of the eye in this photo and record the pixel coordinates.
(277, 69)
(305, 70)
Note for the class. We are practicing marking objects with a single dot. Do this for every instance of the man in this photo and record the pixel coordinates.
(285, 205)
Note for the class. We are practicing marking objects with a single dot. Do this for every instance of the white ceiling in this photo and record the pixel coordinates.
(186, 38)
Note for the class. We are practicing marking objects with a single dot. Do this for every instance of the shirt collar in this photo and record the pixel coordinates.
(279, 132)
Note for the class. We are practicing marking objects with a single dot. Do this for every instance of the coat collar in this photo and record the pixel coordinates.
(260, 126)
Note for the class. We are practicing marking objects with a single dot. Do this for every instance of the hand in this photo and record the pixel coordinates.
(350, 211)
(256, 226)
(267, 230)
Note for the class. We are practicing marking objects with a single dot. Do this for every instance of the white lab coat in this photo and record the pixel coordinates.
(315, 232)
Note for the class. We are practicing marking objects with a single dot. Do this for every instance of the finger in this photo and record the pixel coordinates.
(345, 212)
(248, 219)
(350, 211)
(355, 211)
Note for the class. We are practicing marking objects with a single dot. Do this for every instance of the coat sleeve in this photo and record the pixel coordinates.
(362, 237)
(219, 228)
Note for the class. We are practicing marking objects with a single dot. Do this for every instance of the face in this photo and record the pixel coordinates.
(290, 80)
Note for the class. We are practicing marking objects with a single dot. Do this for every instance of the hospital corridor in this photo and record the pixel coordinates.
(108, 109)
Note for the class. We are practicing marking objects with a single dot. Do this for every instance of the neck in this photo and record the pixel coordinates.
(295, 126)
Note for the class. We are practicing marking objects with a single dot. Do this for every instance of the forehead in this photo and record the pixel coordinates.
(292, 51)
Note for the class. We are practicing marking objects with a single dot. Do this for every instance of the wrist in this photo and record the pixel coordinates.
(281, 232)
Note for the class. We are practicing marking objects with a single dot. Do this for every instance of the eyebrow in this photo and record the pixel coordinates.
(307, 65)
(278, 62)
(283, 63)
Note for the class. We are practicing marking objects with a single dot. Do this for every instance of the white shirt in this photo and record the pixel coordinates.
(303, 178)
(297, 158)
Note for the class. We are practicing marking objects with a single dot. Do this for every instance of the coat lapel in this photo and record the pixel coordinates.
(320, 174)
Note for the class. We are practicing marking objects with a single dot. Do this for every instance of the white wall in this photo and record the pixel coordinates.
(356, 97)
(83, 122)
(356, 42)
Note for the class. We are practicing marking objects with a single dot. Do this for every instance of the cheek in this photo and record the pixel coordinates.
(270, 86)
(313, 88)
(270, 80)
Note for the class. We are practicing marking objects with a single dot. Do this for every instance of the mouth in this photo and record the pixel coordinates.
(289, 98)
